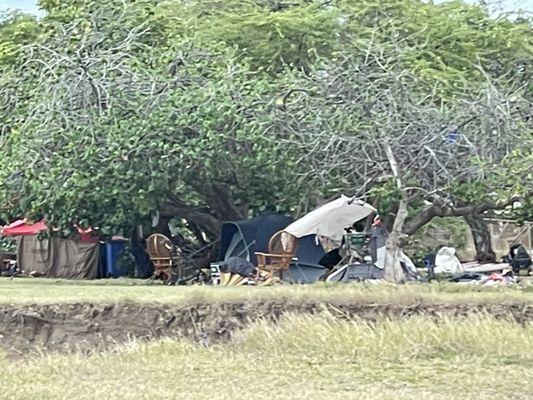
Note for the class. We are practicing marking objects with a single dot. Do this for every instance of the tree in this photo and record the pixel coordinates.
(127, 134)
(16, 30)
(120, 109)
(362, 121)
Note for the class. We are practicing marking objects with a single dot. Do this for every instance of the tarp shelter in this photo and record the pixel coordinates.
(54, 257)
(21, 227)
(244, 238)
(331, 219)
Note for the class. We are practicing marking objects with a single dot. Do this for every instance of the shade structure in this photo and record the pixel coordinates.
(331, 219)
(52, 256)
(23, 228)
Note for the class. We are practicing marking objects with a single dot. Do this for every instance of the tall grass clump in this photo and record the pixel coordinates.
(328, 336)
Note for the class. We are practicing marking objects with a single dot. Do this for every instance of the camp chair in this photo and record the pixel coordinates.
(281, 249)
(167, 258)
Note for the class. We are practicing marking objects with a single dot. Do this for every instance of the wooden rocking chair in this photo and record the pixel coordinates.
(281, 250)
(167, 258)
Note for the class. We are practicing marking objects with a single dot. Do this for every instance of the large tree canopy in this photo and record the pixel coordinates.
(214, 110)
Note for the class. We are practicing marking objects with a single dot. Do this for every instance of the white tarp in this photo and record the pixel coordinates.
(446, 261)
(380, 259)
(331, 219)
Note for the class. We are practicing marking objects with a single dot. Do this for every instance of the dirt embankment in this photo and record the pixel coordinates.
(87, 327)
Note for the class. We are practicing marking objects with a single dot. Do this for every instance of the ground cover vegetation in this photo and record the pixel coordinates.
(301, 357)
(87, 339)
(53, 291)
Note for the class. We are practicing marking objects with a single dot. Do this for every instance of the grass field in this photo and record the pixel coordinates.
(42, 291)
(313, 357)
(302, 357)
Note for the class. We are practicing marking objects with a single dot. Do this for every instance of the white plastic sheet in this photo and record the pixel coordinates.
(331, 219)
(447, 262)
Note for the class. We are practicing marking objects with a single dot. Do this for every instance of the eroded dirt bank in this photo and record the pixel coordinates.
(86, 327)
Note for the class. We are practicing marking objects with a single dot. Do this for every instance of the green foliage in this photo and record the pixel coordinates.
(444, 44)
(16, 30)
(512, 177)
(385, 197)
(291, 36)
(8, 245)
(470, 192)
(118, 150)
(116, 109)
(451, 231)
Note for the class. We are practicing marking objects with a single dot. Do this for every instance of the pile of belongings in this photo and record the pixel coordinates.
(505, 277)
(446, 262)
(348, 257)
(236, 271)
(249, 238)
(8, 264)
(484, 268)
(243, 239)
(366, 261)
(38, 254)
(519, 258)
(352, 256)
(233, 271)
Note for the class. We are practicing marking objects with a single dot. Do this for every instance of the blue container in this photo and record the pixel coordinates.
(112, 268)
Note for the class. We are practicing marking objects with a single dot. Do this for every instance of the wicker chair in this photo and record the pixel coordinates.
(167, 258)
(281, 250)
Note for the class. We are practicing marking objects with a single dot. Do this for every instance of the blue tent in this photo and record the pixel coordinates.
(244, 238)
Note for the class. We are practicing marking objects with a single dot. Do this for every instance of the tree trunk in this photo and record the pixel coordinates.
(482, 240)
(219, 201)
(393, 268)
(202, 219)
(162, 226)
(218, 208)
(390, 217)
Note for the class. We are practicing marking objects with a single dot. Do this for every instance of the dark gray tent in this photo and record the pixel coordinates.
(244, 238)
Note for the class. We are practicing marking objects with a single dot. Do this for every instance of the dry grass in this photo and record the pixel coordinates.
(311, 357)
(41, 291)
(304, 357)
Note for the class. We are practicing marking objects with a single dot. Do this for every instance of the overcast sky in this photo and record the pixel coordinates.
(30, 6)
(507, 5)
(24, 5)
